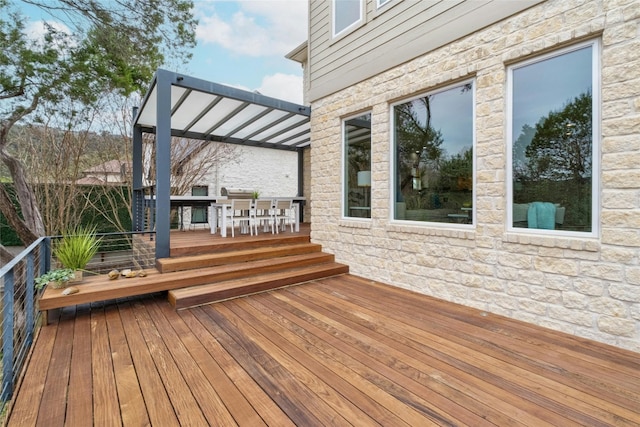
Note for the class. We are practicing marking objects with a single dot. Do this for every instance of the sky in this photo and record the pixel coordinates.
(243, 44)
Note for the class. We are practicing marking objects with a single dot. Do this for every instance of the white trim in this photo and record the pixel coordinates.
(595, 147)
(349, 27)
(393, 160)
(382, 3)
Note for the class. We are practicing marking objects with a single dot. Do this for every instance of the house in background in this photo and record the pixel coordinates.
(489, 153)
(112, 172)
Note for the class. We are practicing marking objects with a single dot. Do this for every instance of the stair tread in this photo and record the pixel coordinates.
(219, 258)
(233, 283)
(213, 292)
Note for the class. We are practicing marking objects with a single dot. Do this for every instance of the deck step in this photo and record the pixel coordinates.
(236, 244)
(101, 288)
(206, 294)
(165, 265)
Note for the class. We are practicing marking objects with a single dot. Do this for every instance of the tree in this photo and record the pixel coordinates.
(417, 142)
(561, 148)
(103, 47)
(191, 160)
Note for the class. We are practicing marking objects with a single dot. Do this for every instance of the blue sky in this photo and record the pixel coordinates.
(243, 44)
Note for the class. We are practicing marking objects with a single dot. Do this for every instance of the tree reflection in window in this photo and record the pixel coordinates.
(552, 149)
(434, 157)
(357, 173)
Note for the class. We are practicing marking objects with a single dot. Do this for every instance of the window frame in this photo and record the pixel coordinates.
(595, 140)
(393, 159)
(350, 27)
(344, 205)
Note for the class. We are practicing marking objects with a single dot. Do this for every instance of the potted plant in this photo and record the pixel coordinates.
(58, 278)
(76, 248)
(255, 194)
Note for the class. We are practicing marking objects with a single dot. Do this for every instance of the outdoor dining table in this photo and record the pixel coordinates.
(219, 210)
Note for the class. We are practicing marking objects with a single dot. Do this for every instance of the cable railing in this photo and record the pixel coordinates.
(20, 315)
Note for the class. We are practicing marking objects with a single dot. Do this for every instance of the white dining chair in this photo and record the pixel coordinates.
(284, 214)
(264, 215)
(240, 213)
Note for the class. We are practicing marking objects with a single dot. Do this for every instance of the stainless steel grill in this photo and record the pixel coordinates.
(236, 193)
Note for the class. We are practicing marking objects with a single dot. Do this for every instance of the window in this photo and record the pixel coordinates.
(552, 142)
(382, 3)
(346, 13)
(433, 156)
(199, 214)
(357, 166)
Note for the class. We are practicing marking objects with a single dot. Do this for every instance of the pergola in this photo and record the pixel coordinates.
(183, 106)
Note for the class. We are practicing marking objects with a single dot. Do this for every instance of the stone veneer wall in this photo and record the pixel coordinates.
(586, 287)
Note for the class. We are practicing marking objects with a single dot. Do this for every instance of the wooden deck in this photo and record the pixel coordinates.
(192, 253)
(333, 352)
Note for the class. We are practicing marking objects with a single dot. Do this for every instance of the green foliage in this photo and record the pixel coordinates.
(107, 46)
(561, 147)
(77, 247)
(56, 275)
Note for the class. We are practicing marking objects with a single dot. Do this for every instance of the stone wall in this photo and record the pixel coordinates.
(589, 287)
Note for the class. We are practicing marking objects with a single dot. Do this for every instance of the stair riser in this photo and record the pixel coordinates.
(213, 260)
(253, 288)
(269, 268)
(228, 245)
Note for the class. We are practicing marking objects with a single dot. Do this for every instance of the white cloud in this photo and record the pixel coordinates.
(36, 31)
(258, 28)
(282, 86)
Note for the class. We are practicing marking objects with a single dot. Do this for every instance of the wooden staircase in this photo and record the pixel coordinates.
(202, 270)
(250, 266)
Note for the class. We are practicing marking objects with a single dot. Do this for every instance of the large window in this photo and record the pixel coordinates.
(357, 166)
(434, 160)
(346, 13)
(552, 142)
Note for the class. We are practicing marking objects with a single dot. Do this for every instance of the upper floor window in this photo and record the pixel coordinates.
(357, 166)
(434, 156)
(553, 144)
(381, 3)
(346, 13)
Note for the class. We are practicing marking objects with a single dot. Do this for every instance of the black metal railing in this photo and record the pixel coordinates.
(20, 315)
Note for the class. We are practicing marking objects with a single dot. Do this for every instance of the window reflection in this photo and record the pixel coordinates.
(434, 157)
(357, 140)
(552, 148)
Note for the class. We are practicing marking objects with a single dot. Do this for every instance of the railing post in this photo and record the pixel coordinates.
(7, 336)
(29, 303)
(45, 255)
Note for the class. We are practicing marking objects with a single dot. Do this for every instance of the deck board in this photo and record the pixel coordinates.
(81, 376)
(336, 351)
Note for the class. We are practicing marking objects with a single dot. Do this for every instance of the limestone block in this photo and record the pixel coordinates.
(577, 317)
(608, 307)
(601, 271)
(618, 326)
(589, 286)
(624, 292)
